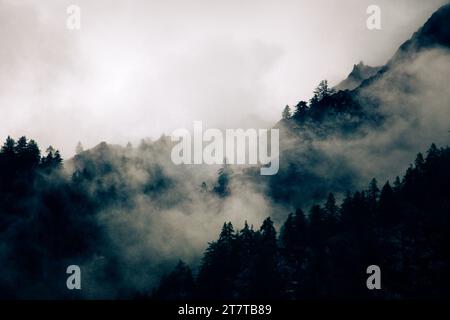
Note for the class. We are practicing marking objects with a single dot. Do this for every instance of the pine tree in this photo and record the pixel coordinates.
(222, 187)
(8, 163)
(293, 234)
(227, 234)
(322, 91)
(286, 114)
(373, 192)
(397, 184)
(301, 110)
(265, 282)
(33, 154)
(331, 209)
(388, 212)
(219, 266)
(57, 160)
(21, 151)
(8, 149)
(293, 249)
(419, 162)
(21, 145)
(245, 241)
(268, 236)
(79, 148)
(177, 285)
(52, 160)
(317, 224)
(432, 153)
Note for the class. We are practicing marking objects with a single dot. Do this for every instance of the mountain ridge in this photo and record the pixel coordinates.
(359, 73)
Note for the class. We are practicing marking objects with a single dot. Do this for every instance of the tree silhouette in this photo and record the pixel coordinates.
(222, 187)
(286, 114)
(322, 91)
(48, 219)
(402, 229)
(215, 279)
(301, 109)
(177, 285)
(79, 148)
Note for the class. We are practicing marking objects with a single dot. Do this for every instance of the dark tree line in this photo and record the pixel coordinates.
(403, 228)
(20, 162)
(48, 221)
(337, 112)
(345, 115)
(44, 220)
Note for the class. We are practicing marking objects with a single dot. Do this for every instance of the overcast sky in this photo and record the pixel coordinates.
(138, 69)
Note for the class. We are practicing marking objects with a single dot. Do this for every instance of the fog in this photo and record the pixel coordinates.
(415, 103)
(180, 222)
(142, 68)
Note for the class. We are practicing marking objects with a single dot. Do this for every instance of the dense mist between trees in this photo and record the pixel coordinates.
(128, 215)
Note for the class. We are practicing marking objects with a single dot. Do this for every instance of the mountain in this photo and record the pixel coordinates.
(435, 32)
(339, 141)
(402, 228)
(125, 214)
(376, 121)
(359, 73)
(371, 127)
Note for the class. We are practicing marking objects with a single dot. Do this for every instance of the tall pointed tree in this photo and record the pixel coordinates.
(286, 114)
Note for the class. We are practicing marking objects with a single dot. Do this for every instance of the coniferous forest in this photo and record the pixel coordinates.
(363, 182)
(322, 254)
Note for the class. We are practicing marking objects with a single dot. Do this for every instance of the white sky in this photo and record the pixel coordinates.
(138, 69)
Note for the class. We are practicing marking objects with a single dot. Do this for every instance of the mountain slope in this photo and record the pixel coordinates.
(359, 73)
(347, 137)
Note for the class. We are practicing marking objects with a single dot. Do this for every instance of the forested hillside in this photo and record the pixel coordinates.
(126, 215)
(324, 253)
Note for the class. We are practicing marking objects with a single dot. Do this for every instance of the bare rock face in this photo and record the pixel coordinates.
(359, 73)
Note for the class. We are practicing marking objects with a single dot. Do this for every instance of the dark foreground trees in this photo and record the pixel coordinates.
(45, 222)
(404, 229)
(49, 220)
